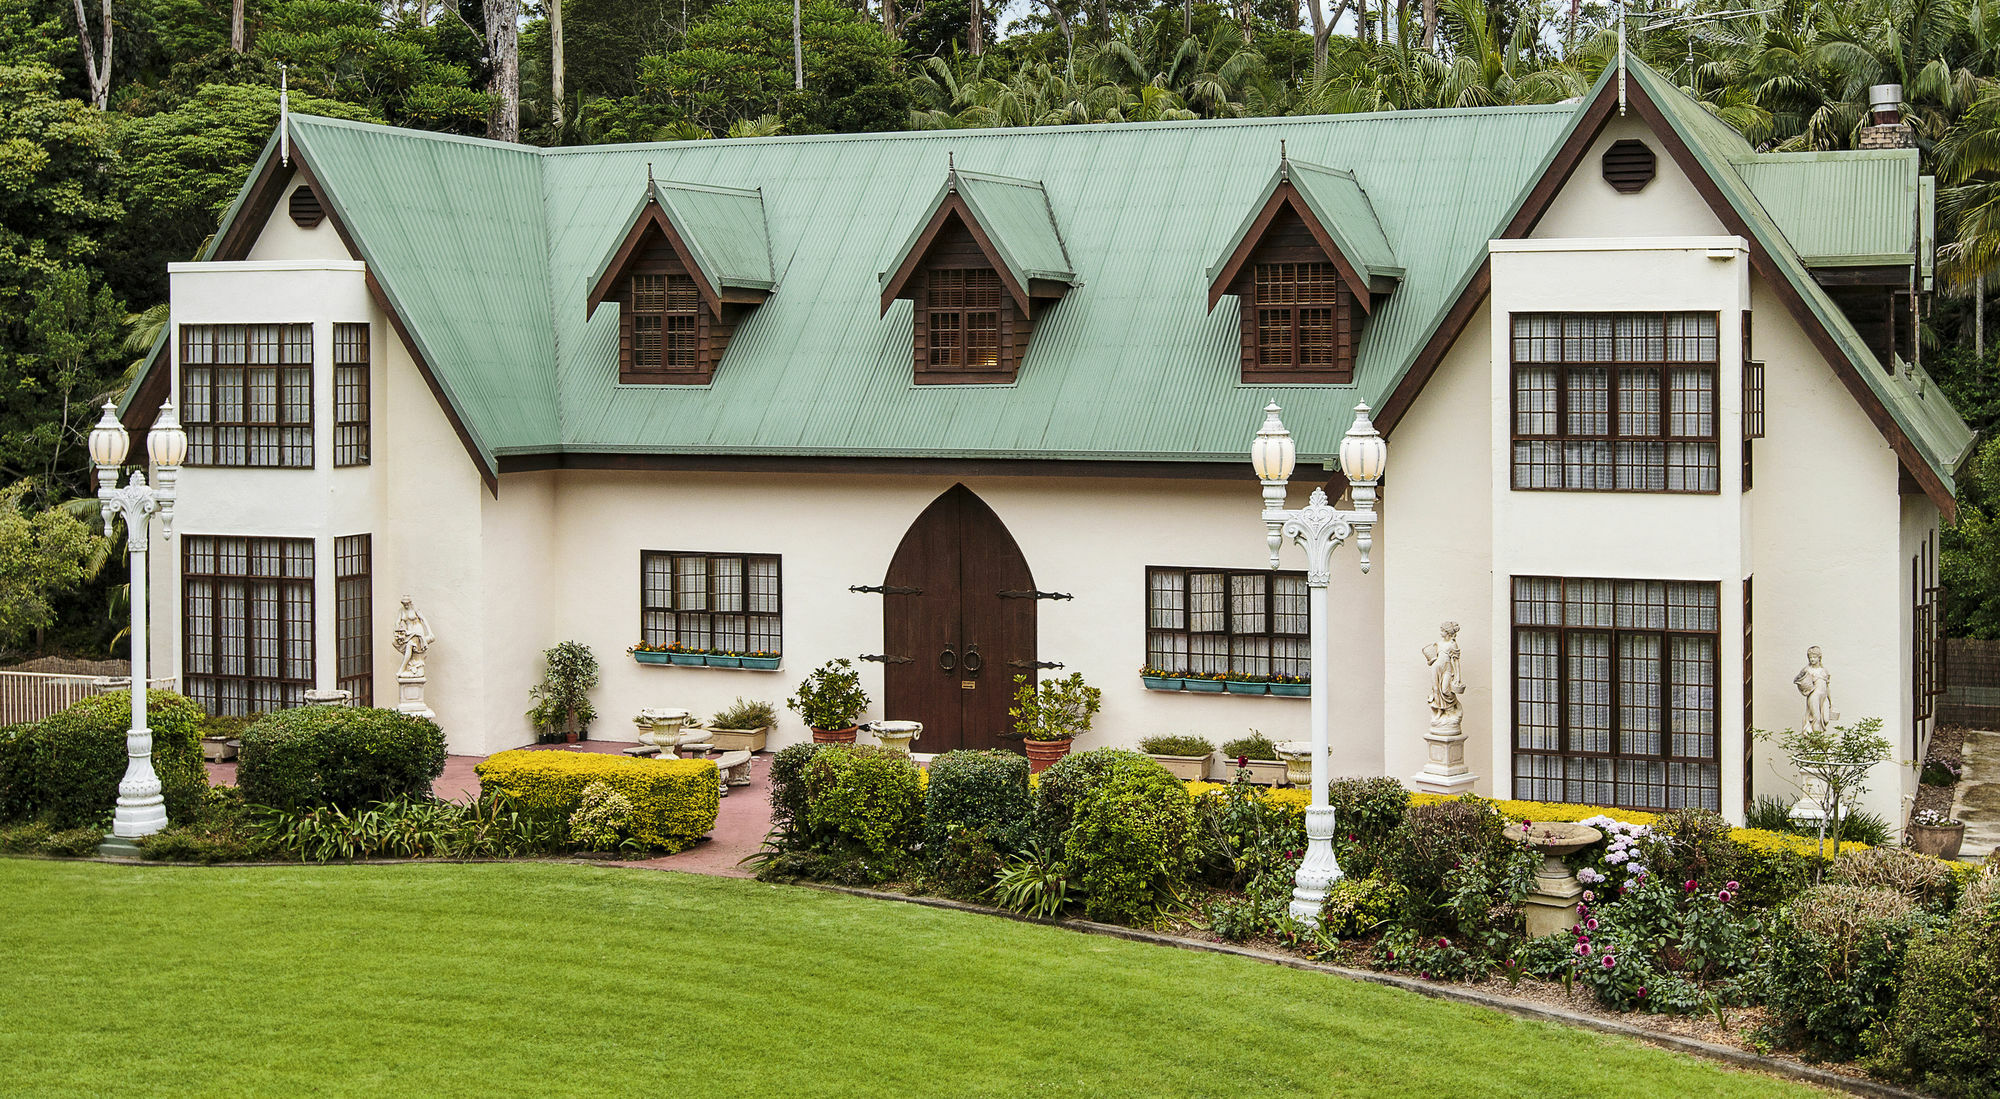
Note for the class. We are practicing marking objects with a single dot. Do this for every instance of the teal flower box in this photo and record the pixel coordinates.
(689, 660)
(1161, 682)
(652, 658)
(1292, 690)
(1239, 687)
(1212, 686)
(766, 663)
(717, 660)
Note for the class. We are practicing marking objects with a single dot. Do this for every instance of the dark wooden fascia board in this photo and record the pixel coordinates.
(1766, 266)
(155, 384)
(899, 280)
(652, 217)
(1237, 470)
(1288, 195)
(1888, 275)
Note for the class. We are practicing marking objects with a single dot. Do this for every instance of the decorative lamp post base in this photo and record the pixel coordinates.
(1445, 771)
(1318, 871)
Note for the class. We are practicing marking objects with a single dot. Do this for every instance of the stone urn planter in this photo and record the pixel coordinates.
(1938, 840)
(218, 749)
(1551, 904)
(1042, 754)
(835, 736)
(1298, 758)
(896, 735)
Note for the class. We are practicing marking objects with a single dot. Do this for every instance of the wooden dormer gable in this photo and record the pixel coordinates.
(1307, 266)
(693, 263)
(984, 262)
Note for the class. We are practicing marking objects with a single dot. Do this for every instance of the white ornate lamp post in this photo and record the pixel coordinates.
(141, 811)
(1319, 529)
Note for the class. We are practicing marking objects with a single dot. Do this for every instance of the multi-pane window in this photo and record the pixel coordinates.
(1753, 398)
(354, 616)
(1615, 402)
(247, 624)
(350, 394)
(1615, 692)
(666, 316)
(1296, 305)
(246, 394)
(1215, 621)
(1927, 663)
(964, 318)
(700, 601)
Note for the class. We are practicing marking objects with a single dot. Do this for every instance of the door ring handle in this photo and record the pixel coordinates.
(948, 660)
(973, 661)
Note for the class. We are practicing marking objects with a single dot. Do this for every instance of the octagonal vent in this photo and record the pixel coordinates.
(306, 210)
(1628, 166)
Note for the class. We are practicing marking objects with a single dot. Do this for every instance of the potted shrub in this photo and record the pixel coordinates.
(1050, 715)
(1211, 682)
(830, 702)
(1185, 755)
(562, 709)
(1256, 754)
(766, 661)
(650, 654)
(1933, 833)
(1246, 684)
(743, 726)
(1159, 679)
(1291, 686)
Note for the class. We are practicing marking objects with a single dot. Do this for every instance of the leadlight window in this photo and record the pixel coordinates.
(964, 318)
(1615, 402)
(1217, 621)
(246, 394)
(247, 623)
(721, 602)
(1296, 304)
(1615, 699)
(350, 394)
(666, 317)
(354, 616)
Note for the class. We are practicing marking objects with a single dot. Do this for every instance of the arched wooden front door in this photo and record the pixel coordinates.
(968, 627)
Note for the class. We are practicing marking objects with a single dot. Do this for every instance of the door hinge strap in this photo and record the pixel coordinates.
(1036, 595)
(881, 659)
(884, 589)
(1035, 664)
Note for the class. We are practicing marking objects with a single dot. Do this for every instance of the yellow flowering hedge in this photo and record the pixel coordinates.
(674, 802)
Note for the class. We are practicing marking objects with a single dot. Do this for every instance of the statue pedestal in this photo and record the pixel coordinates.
(410, 696)
(1445, 771)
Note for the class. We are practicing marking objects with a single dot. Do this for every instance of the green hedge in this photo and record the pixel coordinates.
(1132, 844)
(984, 793)
(1066, 783)
(65, 768)
(1943, 1036)
(1836, 952)
(866, 799)
(338, 756)
(674, 801)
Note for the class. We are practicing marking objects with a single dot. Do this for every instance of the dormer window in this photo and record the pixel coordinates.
(1306, 267)
(980, 269)
(695, 261)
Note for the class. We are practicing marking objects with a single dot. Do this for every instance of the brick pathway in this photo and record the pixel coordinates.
(1977, 800)
(739, 829)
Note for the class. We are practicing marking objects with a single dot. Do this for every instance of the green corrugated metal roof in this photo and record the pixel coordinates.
(1340, 205)
(724, 227)
(1840, 209)
(1919, 408)
(1015, 215)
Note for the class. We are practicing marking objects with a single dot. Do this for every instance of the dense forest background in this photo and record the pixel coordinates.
(126, 126)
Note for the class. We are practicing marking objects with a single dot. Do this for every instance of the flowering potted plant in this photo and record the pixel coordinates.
(1212, 682)
(766, 660)
(650, 654)
(684, 656)
(1254, 754)
(1933, 833)
(1052, 714)
(1291, 686)
(1240, 684)
(1159, 679)
(723, 658)
(1185, 756)
(830, 702)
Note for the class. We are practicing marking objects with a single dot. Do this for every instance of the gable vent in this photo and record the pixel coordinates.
(1628, 166)
(306, 210)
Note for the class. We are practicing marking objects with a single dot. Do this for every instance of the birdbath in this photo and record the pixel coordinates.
(896, 735)
(662, 729)
(1298, 757)
(1551, 903)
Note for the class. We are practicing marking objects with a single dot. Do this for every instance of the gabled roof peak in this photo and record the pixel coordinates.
(1013, 220)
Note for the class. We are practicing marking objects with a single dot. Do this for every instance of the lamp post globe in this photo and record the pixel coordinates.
(108, 441)
(167, 442)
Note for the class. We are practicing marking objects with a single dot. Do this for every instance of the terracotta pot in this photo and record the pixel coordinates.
(1042, 753)
(1940, 840)
(835, 736)
(570, 736)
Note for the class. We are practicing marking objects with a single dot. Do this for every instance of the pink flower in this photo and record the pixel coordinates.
(1589, 896)
(1591, 923)
(1642, 992)
(1725, 896)
(1609, 961)
(1582, 949)
(1588, 949)
(1691, 885)
(1392, 955)
(1732, 887)
(1443, 943)
(1581, 908)
(1243, 761)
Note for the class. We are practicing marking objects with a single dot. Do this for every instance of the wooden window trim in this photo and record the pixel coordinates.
(296, 599)
(354, 616)
(1612, 367)
(292, 411)
(1563, 633)
(1013, 328)
(1749, 694)
(1270, 634)
(1927, 662)
(352, 351)
(655, 634)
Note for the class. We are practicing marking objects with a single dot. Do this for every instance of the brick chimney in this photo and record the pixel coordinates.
(1886, 128)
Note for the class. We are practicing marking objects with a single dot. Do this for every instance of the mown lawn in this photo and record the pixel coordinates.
(537, 979)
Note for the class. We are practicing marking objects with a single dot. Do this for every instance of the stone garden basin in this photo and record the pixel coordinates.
(1554, 839)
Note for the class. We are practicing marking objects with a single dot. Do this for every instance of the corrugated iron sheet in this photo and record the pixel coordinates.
(1845, 207)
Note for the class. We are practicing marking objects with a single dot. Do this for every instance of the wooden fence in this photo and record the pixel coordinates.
(1972, 684)
(32, 696)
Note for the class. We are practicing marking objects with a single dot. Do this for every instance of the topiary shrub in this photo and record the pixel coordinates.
(1064, 786)
(980, 792)
(1943, 1035)
(864, 802)
(788, 793)
(1359, 906)
(1132, 843)
(65, 768)
(338, 756)
(1836, 951)
(674, 802)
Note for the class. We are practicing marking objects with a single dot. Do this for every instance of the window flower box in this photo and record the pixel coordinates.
(689, 660)
(1197, 683)
(1245, 686)
(1159, 679)
(648, 656)
(1291, 690)
(723, 660)
(762, 661)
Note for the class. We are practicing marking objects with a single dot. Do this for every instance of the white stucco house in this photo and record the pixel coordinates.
(966, 404)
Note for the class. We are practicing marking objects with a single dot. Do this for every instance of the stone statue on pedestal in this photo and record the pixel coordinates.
(1815, 684)
(1444, 770)
(413, 639)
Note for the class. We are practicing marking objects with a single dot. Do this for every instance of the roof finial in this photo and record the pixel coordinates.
(950, 171)
(1284, 161)
(649, 173)
(284, 117)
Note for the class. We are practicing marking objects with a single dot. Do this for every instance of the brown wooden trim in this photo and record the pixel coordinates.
(1896, 276)
(651, 217)
(155, 381)
(1287, 195)
(1234, 470)
(953, 205)
(258, 203)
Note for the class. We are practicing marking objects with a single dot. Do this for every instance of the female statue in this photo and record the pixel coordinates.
(1442, 656)
(1816, 684)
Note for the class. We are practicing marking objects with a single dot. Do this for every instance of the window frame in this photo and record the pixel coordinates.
(679, 300)
(198, 417)
(296, 603)
(1301, 663)
(1613, 369)
(669, 637)
(351, 431)
(1336, 299)
(354, 616)
(960, 360)
(1613, 703)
